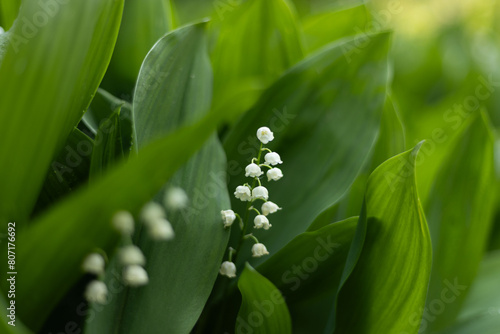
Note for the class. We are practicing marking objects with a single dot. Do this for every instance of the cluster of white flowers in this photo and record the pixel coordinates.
(130, 256)
(251, 193)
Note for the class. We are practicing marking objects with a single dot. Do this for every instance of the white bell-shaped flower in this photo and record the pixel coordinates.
(96, 292)
(274, 174)
(94, 264)
(130, 255)
(176, 198)
(228, 217)
(273, 158)
(260, 192)
(135, 275)
(151, 212)
(228, 269)
(265, 135)
(253, 170)
(160, 229)
(123, 222)
(269, 207)
(243, 193)
(261, 221)
(259, 250)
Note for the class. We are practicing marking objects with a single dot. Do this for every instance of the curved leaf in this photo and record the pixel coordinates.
(387, 272)
(263, 309)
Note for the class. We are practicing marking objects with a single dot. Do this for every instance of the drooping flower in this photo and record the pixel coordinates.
(123, 222)
(93, 264)
(228, 269)
(96, 292)
(253, 170)
(260, 192)
(243, 193)
(261, 221)
(176, 198)
(269, 207)
(265, 135)
(273, 158)
(135, 275)
(151, 212)
(259, 250)
(160, 229)
(130, 255)
(274, 174)
(228, 217)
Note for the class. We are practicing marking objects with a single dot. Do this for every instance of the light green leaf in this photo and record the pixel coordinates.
(257, 42)
(8, 13)
(387, 272)
(263, 309)
(308, 270)
(49, 73)
(460, 212)
(325, 113)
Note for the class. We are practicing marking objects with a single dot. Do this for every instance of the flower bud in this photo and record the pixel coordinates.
(123, 222)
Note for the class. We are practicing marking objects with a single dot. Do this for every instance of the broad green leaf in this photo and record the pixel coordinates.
(321, 29)
(387, 272)
(54, 62)
(308, 270)
(460, 213)
(8, 13)
(263, 309)
(180, 279)
(144, 23)
(325, 113)
(256, 43)
(68, 171)
(313, 7)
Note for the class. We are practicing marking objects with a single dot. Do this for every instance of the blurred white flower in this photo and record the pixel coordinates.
(228, 217)
(261, 221)
(273, 158)
(274, 174)
(260, 192)
(93, 264)
(228, 269)
(123, 222)
(243, 193)
(152, 211)
(259, 250)
(130, 255)
(176, 198)
(265, 135)
(269, 207)
(135, 275)
(253, 170)
(1, 30)
(160, 229)
(96, 292)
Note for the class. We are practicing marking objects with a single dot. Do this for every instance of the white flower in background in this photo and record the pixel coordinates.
(228, 269)
(228, 217)
(135, 275)
(260, 192)
(259, 250)
(130, 255)
(265, 135)
(274, 174)
(253, 170)
(96, 292)
(160, 229)
(123, 222)
(243, 193)
(261, 221)
(269, 207)
(176, 198)
(152, 211)
(273, 158)
(93, 264)
(1, 30)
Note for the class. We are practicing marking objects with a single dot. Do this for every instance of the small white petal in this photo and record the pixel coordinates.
(135, 276)
(265, 135)
(123, 222)
(243, 193)
(161, 229)
(228, 269)
(273, 158)
(259, 250)
(151, 212)
(176, 198)
(253, 170)
(130, 255)
(260, 192)
(269, 207)
(96, 292)
(93, 264)
(261, 221)
(228, 217)
(274, 174)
